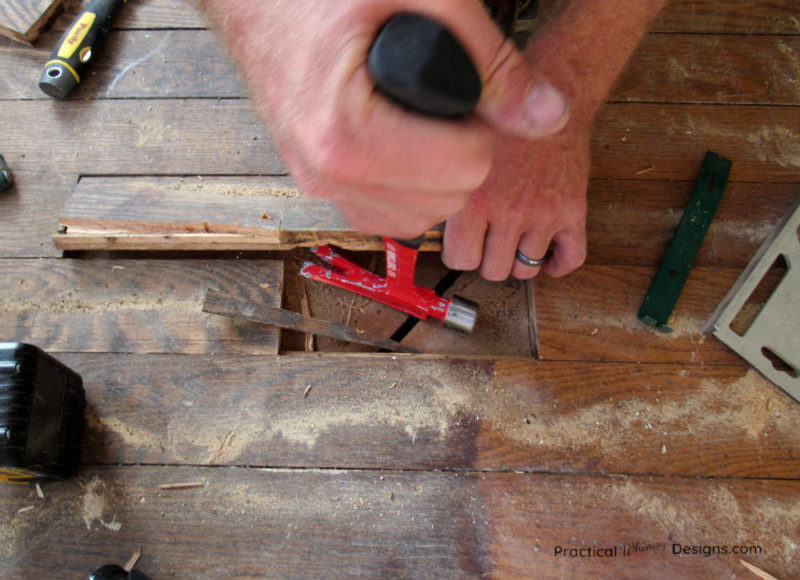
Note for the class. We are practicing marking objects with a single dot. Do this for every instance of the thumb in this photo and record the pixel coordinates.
(515, 98)
(519, 100)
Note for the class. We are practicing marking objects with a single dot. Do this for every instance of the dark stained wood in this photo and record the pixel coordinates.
(591, 315)
(219, 303)
(305, 523)
(631, 222)
(144, 306)
(22, 20)
(730, 16)
(647, 520)
(249, 523)
(391, 464)
(394, 411)
(724, 68)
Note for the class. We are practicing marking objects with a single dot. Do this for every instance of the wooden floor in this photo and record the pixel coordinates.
(623, 453)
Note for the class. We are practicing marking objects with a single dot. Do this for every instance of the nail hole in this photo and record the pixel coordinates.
(778, 363)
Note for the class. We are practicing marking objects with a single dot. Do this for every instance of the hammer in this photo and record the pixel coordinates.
(417, 63)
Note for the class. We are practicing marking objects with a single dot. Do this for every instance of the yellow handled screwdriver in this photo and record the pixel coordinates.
(62, 72)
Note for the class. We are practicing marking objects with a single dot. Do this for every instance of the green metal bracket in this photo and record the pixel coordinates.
(674, 270)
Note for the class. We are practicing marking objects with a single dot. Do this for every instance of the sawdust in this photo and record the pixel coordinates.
(237, 190)
(70, 303)
(782, 516)
(747, 404)
(430, 399)
(677, 73)
(94, 507)
(667, 511)
(754, 234)
(434, 400)
(131, 435)
(791, 78)
(775, 144)
(722, 511)
(153, 131)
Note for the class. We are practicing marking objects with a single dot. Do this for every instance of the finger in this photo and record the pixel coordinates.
(462, 246)
(499, 250)
(569, 251)
(534, 244)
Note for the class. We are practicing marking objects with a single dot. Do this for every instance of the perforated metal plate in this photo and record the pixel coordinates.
(772, 342)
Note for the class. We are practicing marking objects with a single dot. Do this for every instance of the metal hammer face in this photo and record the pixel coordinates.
(397, 290)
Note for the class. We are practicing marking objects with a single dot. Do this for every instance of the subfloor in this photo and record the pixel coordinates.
(665, 454)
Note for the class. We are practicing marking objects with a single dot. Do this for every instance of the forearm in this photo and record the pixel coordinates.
(585, 45)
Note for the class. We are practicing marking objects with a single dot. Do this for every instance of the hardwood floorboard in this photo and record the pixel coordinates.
(307, 523)
(139, 306)
(480, 462)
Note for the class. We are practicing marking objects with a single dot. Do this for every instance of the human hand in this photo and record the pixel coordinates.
(534, 200)
(389, 171)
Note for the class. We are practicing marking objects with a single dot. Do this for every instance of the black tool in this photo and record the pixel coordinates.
(62, 72)
(419, 64)
(41, 415)
(117, 572)
(6, 181)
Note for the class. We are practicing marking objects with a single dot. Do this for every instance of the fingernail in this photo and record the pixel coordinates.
(546, 108)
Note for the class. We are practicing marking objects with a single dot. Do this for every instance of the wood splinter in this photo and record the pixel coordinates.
(187, 485)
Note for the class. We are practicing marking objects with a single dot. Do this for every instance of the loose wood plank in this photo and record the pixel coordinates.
(22, 20)
(300, 523)
(133, 305)
(412, 412)
(201, 213)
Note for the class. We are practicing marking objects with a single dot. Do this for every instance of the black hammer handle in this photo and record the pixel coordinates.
(419, 64)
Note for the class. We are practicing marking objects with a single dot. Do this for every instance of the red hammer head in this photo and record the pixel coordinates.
(397, 290)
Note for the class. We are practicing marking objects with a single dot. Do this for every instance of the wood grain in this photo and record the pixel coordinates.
(142, 306)
(202, 214)
(730, 16)
(409, 412)
(591, 315)
(177, 137)
(630, 222)
(22, 20)
(307, 523)
(223, 305)
(667, 68)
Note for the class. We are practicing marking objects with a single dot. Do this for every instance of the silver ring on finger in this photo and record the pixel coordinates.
(529, 261)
